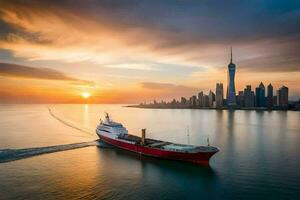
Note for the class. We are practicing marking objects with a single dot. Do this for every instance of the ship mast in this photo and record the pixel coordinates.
(107, 116)
(188, 135)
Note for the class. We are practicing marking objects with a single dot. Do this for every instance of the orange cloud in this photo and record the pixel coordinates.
(48, 32)
(21, 71)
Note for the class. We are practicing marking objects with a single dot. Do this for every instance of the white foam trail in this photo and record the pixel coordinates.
(68, 124)
(8, 155)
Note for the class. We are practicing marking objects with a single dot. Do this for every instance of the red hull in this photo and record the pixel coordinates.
(199, 158)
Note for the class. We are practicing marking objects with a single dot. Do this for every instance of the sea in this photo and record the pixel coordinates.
(52, 152)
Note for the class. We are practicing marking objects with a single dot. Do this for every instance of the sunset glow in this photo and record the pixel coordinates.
(85, 95)
(128, 59)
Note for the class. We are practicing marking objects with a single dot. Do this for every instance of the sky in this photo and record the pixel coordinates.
(131, 51)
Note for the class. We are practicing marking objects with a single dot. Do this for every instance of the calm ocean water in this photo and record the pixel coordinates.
(259, 157)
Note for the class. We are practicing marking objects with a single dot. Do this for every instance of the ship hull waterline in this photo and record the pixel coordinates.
(201, 158)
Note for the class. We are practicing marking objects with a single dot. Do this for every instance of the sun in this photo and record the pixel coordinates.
(85, 95)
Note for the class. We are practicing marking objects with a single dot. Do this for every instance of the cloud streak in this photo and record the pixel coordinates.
(121, 31)
(20, 71)
(123, 43)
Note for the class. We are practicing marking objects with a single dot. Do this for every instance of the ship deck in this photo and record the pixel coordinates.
(159, 144)
(137, 139)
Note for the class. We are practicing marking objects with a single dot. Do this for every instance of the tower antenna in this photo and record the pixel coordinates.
(230, 54)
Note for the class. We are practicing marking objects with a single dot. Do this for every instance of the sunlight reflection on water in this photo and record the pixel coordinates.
(259, 152)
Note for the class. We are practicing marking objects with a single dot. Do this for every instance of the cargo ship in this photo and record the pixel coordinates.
(116, 134)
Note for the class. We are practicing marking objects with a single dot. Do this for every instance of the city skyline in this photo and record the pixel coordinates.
(260, 98)
(102, 51)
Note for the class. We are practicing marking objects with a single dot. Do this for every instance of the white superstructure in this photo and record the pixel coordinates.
(110, 128)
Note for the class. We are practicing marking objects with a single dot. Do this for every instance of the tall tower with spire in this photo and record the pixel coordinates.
(231, 99)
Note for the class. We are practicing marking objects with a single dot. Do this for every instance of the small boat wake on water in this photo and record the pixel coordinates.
(8, 155)
(117, 135)
(68, 124)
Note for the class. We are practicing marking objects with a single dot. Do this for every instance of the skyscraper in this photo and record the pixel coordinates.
(183, 101)
(248, 97)
(283, 96)
(231, 100)
(260, 98)
(194, 101)
(240, 99)
(205, 101)
(270, 96)
(200, 99)
(219, 95)
(211, 98)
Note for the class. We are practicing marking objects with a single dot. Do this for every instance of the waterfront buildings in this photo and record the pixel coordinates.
(270, 96)
(231, 99)
(200, 99)
(205, 101)
(219, 95)
(283, 96)
(211, 99)
(245, 99)
(240, 99)
(260, 96)
(297, 105)
(183, 101)
(248, 97)
(193, 101)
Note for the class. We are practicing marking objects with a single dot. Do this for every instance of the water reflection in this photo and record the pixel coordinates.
(173, 165)
(259, 152)
(163, 176)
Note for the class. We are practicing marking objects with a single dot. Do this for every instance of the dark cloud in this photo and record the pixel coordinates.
(194, 20)
(13, 70)
(177, 26)
(213, 20)
(269, 64)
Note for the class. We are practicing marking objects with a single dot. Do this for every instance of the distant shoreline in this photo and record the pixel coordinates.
(207, 108)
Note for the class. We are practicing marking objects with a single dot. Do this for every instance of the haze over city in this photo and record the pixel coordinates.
(134, 51)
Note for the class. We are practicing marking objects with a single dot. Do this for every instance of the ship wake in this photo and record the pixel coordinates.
(8, 155)
(68, 123)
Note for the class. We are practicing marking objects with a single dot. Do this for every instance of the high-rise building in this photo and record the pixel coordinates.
(248, 97)
(183, 101)
(260, 98)
(275, 100)
(219, 95)
(240, 99)
(283, 96)
(211, 98)
(205, 101)
(270, 96)
(297, 105)
(231, 100)
(277, 97)
(174, 103)
(200, 99)
(194, 101)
